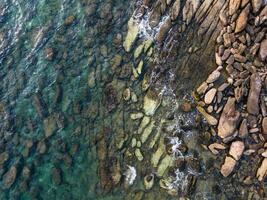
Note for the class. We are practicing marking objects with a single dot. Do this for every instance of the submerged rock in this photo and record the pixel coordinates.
(254, 94)
(10, 177)
(151, 102)
(131, 34)
(228, 120)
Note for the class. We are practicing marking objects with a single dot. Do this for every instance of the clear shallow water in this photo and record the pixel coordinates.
(27, 30)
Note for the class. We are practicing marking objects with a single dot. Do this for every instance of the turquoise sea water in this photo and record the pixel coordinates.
(63, 165)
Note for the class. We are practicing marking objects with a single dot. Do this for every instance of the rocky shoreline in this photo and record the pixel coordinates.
(233, 99)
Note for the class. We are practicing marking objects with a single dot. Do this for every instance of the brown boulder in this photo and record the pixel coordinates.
(233, 6)
(241, 21)
(229, 119)
(243, 129)
(254, 94)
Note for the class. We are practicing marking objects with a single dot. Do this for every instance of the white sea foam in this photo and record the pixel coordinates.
(130, 174)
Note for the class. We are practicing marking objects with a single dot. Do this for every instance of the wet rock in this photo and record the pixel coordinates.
(26, 172)
(149, 181)
(185, 107)
(10, 177)
(115, 171)
(214, 76)
(175, 9)
(164, 29)
(69, 20)
(135, 116)
(209, 96)
(151, 102)
(4, 157)
(262, 170)
(233, 6)
(49, 54)
(210, 119)
(138, 154)
(241, 21)
(91, 79)
(41, 147)
(166, 162)
(111, 100)
(115, 61)
(237, 149)
(263, 50)
(229, 119)
(49, 126)
(243, 129)
(131, 34)
(56, 176)
(254, 93)
(228, 166)
(264, 125)
(126, 94)
(202, 88)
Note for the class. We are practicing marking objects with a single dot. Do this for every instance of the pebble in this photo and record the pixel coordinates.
(210, 96)
(228, 166)
(241, 21)
(237, 149)
(214, 76)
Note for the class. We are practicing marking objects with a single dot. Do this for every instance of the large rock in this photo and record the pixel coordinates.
(233, 6)
(254, 93)
(10, 177)
(228, 166)
(263, 50)
(164, 29)
(228, 120)
(237, 149)
(242, 19)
